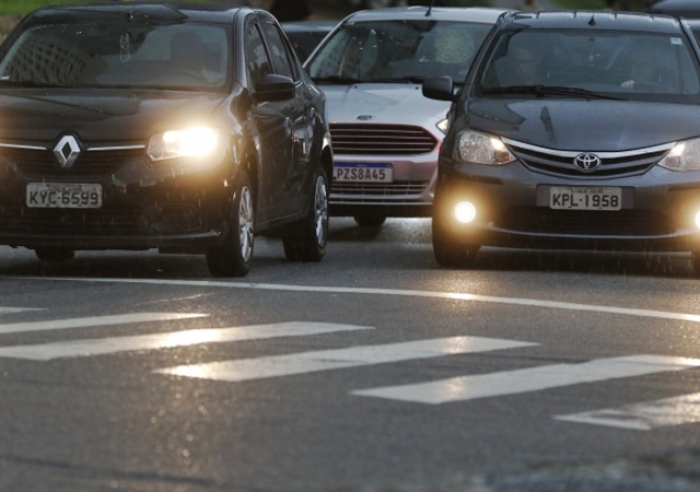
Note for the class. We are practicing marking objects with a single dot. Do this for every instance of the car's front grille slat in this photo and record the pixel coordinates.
(42, 163)
(380, 139)
(625, 223)
(553, 162)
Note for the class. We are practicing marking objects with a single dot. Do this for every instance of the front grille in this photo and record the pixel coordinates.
(376, 139)
(585, 222)
(374, 192)
(102, 222)
(42, 163)
(561, 163)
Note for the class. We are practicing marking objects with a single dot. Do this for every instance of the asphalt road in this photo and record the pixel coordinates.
(373, 370)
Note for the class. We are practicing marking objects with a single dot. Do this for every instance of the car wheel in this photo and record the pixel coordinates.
(54, 254)
(695, 258)
(447, 250)
(311, 245)
(234, 257)
(370, 219)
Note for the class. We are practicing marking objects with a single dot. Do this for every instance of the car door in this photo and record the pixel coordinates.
(299, 110)
(272, 129)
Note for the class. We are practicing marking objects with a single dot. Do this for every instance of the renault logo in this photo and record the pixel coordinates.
(66, 151)
(587, 162)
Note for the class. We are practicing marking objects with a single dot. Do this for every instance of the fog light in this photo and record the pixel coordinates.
(697, 220)
(465, 212)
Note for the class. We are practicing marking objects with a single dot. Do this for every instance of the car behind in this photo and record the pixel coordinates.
(136, 126)
(305, 36)
(574, 130)
(386, 135)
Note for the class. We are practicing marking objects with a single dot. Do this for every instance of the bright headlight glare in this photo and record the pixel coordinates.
(684, 156)
(442, 125)
(483, 149)
(465, 212)
(190, 142)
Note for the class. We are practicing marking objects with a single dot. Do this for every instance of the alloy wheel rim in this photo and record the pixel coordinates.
(245, 223)
(321, 210)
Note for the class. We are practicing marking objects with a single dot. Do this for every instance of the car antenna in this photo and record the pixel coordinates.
(430, 8)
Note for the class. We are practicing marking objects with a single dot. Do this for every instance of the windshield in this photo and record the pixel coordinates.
(390, 51)
(624, 64)
(117, 53)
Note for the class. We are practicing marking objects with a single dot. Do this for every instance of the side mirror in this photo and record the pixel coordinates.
(274, 87)
(440, 88)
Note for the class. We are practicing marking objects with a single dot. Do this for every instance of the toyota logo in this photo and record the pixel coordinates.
(587, 162)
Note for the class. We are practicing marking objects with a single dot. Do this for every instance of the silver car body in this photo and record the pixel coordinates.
(382, 127)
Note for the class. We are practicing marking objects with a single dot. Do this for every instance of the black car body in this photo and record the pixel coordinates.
(581, 151)
(137, 125)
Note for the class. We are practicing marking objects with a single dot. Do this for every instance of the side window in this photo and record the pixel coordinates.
(257, 62)
(278, 52)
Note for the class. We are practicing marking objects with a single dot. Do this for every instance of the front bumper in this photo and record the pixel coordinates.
(178, 205)
(512, 203)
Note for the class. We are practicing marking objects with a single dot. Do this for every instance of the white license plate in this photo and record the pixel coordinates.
(63, 195)
(362, 172)
(585, 198)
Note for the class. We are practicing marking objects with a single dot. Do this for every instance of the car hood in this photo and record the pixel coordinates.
(597, 125)
(382, 103)
(105, 116)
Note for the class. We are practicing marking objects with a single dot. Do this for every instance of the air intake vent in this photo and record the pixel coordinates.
(363, 139)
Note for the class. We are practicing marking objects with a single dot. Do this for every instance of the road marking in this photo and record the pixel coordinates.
(103, 346)
(324, 360)
(119, 319)
(647, 313)
(466, 388)
(14, 310)
(643, 416)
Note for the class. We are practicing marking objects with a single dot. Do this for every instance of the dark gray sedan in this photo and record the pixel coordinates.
(574, 130)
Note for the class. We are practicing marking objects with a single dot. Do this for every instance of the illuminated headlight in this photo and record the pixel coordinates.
(442, 125)
(697, 220)
(483, 149)
(191, 142)
(684, 156)
(465, 212)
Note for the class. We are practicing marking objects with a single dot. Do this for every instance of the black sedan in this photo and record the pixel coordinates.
(574, 130)
(136, 126)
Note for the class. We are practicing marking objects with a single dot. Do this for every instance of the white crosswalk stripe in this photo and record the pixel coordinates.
(466, 388)
(324, 360)
(89, 322)
(113, 345)
(643, 416)
(15, 310)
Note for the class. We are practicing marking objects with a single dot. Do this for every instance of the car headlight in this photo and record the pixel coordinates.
(481, 148)
(190, 142)
(684, 156)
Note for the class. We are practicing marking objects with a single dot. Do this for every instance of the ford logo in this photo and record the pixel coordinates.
(365, 117)
(587, 162)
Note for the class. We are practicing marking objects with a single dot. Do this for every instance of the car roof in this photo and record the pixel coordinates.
(593, 19)
(198, 12)
(470, 14)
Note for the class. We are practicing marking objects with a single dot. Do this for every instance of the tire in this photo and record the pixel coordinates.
(311, 244)
(695, 258)
(370, 219)
(448, 251)
(54, 254)
(235, 256)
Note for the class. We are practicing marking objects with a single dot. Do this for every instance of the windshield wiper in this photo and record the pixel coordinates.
(336, 79)
(548, 90)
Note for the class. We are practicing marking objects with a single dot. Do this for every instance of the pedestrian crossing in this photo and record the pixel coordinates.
(642, 416)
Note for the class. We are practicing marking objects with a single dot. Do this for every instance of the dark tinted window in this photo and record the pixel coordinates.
(257, 62)
(278, 51)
